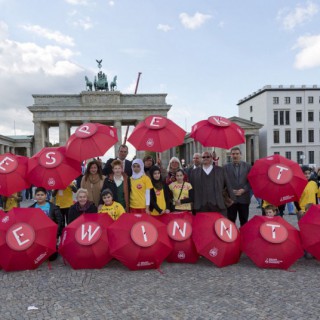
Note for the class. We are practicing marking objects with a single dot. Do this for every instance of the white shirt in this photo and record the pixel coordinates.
(208, 169)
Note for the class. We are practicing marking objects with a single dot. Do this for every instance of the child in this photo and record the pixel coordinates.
(270, 210)
(51, 210)
(160, 196)
(112, 208)
(140, 186)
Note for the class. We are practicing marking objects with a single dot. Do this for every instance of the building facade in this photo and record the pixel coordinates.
(291, 121)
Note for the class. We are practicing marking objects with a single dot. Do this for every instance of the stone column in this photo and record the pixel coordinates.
(256, 153)
(12, 150)
(28, 150)
(2, 149)
(117, 125)
(249, 150)
(63, 133)
(38, 138)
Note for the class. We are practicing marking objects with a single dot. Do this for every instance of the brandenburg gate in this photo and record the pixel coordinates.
(107, 107)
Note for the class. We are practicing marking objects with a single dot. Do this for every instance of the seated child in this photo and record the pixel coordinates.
(112, 208)
(270, 210)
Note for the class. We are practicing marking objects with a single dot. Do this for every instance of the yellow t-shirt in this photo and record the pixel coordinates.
(11, 202)
(161, 202)
(308, 195)
(114, 211)
(64, 198)
(138, 191)
(175, 187)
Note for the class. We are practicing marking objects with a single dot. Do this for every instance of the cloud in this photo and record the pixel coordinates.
(297, 16)
(57, 36)
(164, 27)
(111, 3)
(3, 30)
(78, 2)
(84, 23)
(309, 55)
(193, 22)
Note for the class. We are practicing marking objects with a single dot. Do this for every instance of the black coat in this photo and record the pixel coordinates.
(167, 197)
(74, 213)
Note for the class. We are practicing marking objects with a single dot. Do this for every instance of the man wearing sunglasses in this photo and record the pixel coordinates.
(208, 183)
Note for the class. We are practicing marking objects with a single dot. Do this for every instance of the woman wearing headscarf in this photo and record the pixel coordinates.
(160, 195)
(173, 166)
(140, 186)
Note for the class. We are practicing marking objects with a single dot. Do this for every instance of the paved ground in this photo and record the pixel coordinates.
(199, 291)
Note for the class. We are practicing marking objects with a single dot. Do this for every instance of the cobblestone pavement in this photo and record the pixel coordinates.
(177, 291)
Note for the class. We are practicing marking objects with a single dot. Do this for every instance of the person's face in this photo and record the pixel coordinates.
(174, 164)
(196, 159)
(107, 199)
(206, 158)
(270, 213)
(156, 175)
(136, 168)
(148, 163)
(117, 170)
(307, 174)
(93, 169)
(123, 152)
(41, 197)
(236, 156)
(179, 177)
(82, 198)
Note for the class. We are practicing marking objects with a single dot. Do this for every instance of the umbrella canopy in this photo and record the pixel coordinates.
(309, 226)
(277, 180)
(139, 241)
(90, 140)
(27, 238)
(156, 133)
(217, 132)
(84, 242)
(271, 242)
(216, 238)
(179, 229)
(51, 169)
(13, 174)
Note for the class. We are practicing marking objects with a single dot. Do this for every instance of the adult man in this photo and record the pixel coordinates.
(196, 162)
(208, 182)
(237, 172)
(126, 164)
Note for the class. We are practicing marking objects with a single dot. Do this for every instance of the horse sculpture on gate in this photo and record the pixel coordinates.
(88, 84)
(101, 83)
(113, 83)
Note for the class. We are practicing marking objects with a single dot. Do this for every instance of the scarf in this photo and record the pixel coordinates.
(138, 175)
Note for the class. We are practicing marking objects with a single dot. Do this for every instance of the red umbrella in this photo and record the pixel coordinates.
(27, 238)
(309, 226)
(51, 169)
(90, 140)
(156, 133)
(271, 242)
(179, 229)
(277, 180)
(139, 241)
(217, 132)
(13, 171)
(216, 238)
(84, 242)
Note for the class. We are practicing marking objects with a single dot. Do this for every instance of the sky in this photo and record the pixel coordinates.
(205, 54)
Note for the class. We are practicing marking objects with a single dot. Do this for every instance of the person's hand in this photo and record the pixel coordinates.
(166, 211)
(177, 202)
(147, 210)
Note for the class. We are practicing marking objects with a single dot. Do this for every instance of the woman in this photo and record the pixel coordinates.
(93, 181)
(12, 201)
(173, 166)
(83, 205)
(160, 195)
(140, 186)
(118, 183)
(182, 192)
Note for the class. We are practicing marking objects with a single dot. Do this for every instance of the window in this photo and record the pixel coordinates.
(276, 138)
(287, 136)
(299, 136)
(251, 108)
(287, 117)
(286, 100)
(311, 156)
(310, 99)
(275, 118)
(300, 157)
(288, 155)
(298, 100)
(281, 117)
(276, 152)
(275, 100)
(251, 119)
(310, 136)
(299, 116)
(310, 116)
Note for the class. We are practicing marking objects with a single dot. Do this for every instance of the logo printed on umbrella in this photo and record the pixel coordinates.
(5, 219)
(144, 234)
(273, 232)
(20, 236)
(179, 229)
(40, 257)
(181, 255)
(111, 133)
(150, 142)
(285, 198)
(88, 233)
(86, 130)
(226, 230)
(273, 260)
(280, 174)
(51, 182)
(219, 121)
(7, 164)
(213, 252)
(50, 159)
(155, 122)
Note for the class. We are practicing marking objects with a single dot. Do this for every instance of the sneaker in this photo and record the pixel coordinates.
(308, 256)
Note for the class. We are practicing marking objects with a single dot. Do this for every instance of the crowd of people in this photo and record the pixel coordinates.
(144, 186)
